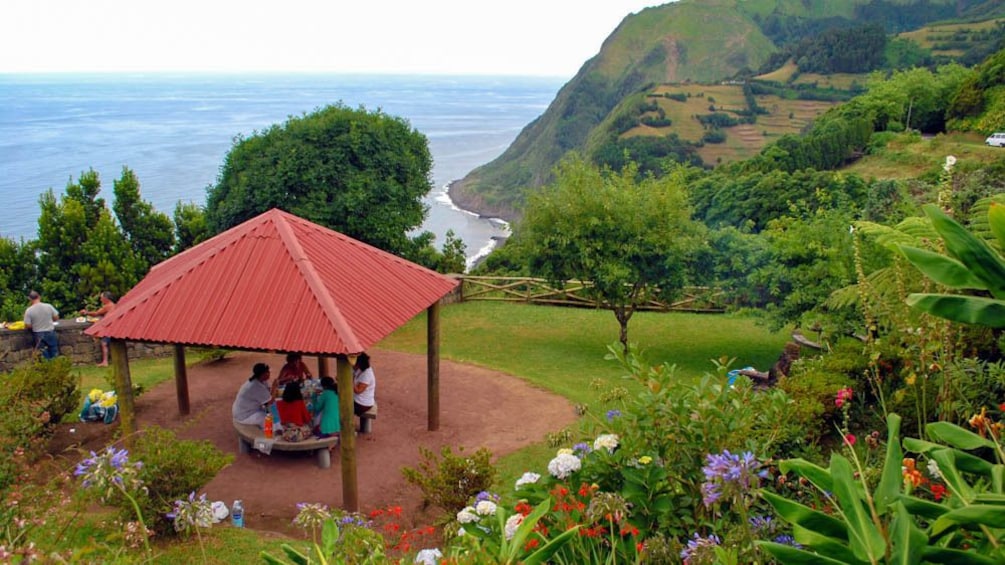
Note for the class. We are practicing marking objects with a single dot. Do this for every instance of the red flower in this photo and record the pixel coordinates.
(523, 508)
(938, 491)
(531, 544)
(1002, 406)
(640, 546)
(850, 439)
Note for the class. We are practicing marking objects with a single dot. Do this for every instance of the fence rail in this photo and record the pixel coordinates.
(575, 293)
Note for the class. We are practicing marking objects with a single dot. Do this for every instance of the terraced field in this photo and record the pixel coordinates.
(930, 37)
(743, 140)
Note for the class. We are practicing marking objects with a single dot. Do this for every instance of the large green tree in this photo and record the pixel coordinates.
(632, 239)
(358, 172)
(150, 232)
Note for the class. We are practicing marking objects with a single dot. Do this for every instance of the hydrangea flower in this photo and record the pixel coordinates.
(512, 523)
(486, 495)
(467, 515)
(606, 441)
(428, 556)
(527, 479)
(612, 414)
(485, 508)
(581, 449)
(563, 465)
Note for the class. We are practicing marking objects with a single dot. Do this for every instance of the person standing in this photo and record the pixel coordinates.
(40, 318)
(107, 305)
(364, 385)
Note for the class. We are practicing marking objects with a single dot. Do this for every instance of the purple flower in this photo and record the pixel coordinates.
(762, 525)
(710, 493)
(612, 414)
(486, 495)
(786, 539)
(730, 473)
(581, 449)
(699, 547)
(119, 458)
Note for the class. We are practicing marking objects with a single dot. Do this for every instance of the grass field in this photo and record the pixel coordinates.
(910, 156)
(840, 81)
(929, 36)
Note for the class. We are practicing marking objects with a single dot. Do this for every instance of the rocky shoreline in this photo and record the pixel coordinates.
(466, 200)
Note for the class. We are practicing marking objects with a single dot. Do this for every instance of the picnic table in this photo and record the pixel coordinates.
(251, 437)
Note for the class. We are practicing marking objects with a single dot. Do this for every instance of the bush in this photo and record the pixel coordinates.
(50, 384)
(714, 136)
(172, 468)
(448, 480)
(34, 396)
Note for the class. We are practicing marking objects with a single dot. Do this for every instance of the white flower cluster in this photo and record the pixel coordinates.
(512, 523)
(563, 465)
(467, 516)
(527, 479)
(606, 441)
(933, 469)
(950, 161)
(485, 508)
(429, 556)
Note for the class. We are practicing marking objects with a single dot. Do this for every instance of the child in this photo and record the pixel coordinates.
(292, 409)
(326, 408)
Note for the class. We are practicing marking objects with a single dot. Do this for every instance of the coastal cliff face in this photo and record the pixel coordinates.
(687, 41)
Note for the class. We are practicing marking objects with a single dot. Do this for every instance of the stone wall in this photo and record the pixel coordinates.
(16, 346)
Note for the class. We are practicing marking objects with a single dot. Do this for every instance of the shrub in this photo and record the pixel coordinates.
(48, 383)
(172, 468)
(714, 136)
(448, 480)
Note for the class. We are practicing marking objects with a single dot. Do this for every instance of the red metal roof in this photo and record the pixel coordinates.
(276, 282)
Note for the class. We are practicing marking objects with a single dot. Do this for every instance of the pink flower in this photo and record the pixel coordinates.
(843, 396)
(839, 402)
(850, 439)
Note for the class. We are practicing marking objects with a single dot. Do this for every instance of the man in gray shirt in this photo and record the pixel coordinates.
(40, 318)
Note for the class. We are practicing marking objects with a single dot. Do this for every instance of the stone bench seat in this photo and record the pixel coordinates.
(366, 420)
(248, 435)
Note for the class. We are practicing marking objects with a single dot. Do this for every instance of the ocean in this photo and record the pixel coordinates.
(174, 130)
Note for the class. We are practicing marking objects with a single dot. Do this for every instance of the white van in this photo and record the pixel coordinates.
(996, 140)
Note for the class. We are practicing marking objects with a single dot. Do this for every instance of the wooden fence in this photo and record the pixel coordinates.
(575, 293)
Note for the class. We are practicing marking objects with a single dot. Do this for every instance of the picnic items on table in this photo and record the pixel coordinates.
(100, 407)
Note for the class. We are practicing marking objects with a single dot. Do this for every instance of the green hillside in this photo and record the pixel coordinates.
(690, 45)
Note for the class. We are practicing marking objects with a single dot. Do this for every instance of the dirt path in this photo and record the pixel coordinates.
(479, 408)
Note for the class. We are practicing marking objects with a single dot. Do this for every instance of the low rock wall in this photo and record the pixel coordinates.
(16, 346)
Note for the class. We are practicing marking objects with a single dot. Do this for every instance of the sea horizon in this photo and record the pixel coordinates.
(175, 129)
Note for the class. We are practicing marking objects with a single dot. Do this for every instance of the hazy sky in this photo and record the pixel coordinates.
(526, 37)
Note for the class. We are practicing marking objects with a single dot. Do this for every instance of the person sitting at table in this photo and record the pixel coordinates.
(253, 400)
(326, 409)
(292, 408)
(295, 370)
(364, 385)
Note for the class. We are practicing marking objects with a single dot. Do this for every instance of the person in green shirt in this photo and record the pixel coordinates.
(326, 409)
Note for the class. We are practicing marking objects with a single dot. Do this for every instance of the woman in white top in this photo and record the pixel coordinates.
(364, 384)
(253, 400)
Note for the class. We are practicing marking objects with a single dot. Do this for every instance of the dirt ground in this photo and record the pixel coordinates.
(478, 408)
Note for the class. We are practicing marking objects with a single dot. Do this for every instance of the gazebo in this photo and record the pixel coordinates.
(278, 283)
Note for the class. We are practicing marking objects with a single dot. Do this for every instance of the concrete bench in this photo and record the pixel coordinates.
(248, 434)
(366, 420)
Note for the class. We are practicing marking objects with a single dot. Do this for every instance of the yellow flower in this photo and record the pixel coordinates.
(645, 460)
(911, 379)
(565, 451)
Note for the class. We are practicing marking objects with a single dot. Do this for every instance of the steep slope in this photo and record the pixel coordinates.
(686, 41)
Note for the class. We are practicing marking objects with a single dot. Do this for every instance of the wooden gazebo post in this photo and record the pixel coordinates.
(433, 366)
(181, 379)
(350, 492)
(123, 390)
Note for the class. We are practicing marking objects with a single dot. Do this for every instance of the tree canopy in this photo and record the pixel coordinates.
(631, 239)
(358, 172)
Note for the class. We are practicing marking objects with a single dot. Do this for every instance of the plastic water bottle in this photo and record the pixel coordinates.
(237, 514)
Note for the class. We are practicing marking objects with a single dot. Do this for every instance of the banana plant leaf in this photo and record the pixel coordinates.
(977, 255)
(950, 556)
(970, 517)
(891, 481)
(964, 309)
(832, 547)
(820, 477)
(925, 508)
(941, 269)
